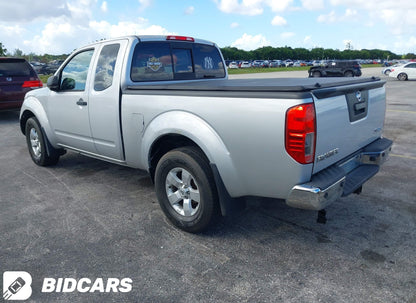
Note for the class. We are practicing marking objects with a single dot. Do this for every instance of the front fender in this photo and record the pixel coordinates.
(33, 107)
(199, 131)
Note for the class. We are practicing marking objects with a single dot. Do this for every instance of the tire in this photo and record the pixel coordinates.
(36, 143)
(186, 190)
(402, 77)
(387, 72)
(349, 74)
(316, 74)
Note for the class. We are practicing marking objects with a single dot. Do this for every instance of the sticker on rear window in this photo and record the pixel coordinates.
(154, 64)
(208, 63)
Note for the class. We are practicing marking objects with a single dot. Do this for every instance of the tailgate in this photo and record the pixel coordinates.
(348, 118)
(11, 88)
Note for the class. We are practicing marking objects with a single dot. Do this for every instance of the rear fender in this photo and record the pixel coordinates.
(199, 131)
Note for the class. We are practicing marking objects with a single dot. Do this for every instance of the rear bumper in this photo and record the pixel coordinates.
(340, 179)
(5, 105)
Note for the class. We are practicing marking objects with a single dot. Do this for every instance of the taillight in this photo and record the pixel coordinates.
(32, 84)
(301, 133)
(180, 38)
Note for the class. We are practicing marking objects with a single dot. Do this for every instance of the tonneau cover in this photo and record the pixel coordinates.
(260, 85)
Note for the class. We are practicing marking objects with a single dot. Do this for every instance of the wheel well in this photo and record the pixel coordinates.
(165, 144)
(25, 116)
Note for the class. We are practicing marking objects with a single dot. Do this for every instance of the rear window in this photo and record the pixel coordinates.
(161, 61)
(14, 67)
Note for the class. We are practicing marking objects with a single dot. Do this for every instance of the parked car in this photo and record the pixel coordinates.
(50, 68)
(233, 65)
(257, 63)
(337, 68)
(17, 77)
(265, 63)
(288, 63)
(245, 64)
(386, 71)
(276, 63)
(404, 72)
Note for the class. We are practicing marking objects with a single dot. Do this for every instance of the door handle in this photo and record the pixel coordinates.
(81, 102)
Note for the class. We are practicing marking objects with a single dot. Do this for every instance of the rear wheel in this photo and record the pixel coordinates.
(402, 77)
(36, 143)
(186, 190)
(316, 74)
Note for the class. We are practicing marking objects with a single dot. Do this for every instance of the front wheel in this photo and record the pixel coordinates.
(36, 143)
(186, 190)
(348, 74)
(402, 77)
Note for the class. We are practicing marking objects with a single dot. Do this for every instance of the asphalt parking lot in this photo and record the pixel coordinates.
(89, 219)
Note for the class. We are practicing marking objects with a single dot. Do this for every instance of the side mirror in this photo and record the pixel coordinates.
(68, 84)
(53, 83)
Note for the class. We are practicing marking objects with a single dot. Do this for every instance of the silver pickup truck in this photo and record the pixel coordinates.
(164, 104)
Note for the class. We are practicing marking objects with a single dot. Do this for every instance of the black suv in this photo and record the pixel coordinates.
(337, 68)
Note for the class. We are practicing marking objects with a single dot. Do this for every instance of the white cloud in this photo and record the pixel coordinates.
(307, 40)
(54, 38)
(252, 7)
(399, 15)
(246, 7)
(189, 10)
(278, 5)
(234, 25)
(60, 37)
(349, 16)
(81, 10)
(313, 4)
(404, 45)
(279, 21)
(287, 35)
(145, 3)
(328, 18)
(350, 13)
(107, 30)
(27, 10)
(249, 42)
(104, 7)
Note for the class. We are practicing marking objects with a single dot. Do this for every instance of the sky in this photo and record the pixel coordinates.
(60, 26)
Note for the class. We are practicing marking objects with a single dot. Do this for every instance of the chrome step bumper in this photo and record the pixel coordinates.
(340, 179)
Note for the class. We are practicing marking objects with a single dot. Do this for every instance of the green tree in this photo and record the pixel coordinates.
(18, 53)
(3, 50)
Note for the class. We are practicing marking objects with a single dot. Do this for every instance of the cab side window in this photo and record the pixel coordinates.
(105, 67)
(74, 74)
